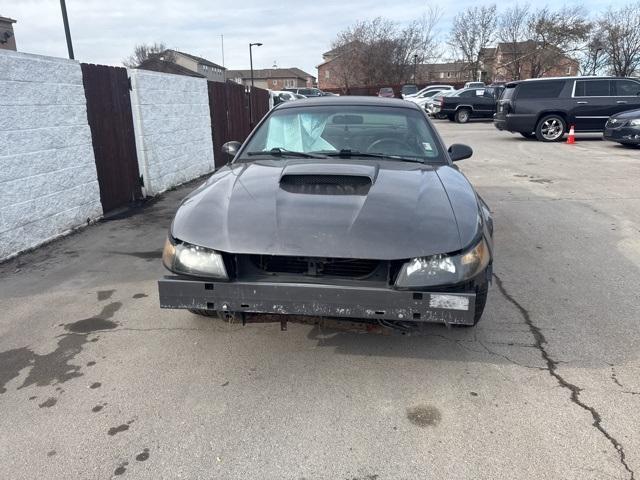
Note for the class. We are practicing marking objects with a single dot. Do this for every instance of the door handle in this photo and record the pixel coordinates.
(582, 103)
(621, 101)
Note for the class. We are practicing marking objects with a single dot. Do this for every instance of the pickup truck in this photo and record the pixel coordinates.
(470, 103)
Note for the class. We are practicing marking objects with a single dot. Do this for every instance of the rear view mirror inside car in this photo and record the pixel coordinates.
(347, 120)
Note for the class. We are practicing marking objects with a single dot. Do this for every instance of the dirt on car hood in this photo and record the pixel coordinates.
(344, 209)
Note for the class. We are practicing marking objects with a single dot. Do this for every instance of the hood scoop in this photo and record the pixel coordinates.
(328, 179)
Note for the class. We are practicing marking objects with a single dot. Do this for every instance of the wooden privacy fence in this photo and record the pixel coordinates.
(230, 114)
(114, 146)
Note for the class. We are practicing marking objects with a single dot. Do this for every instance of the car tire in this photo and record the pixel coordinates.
(204, 313)
(463, 115)
(551, 128)
(528, 135)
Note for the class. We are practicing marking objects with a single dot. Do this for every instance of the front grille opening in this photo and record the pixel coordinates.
(326, 184)
(315, 267)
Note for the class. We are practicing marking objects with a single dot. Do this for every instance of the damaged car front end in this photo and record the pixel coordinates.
(338, 207)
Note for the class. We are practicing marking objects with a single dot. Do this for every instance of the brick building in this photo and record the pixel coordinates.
(273, 78)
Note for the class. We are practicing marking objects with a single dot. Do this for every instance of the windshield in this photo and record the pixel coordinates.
(332, 129)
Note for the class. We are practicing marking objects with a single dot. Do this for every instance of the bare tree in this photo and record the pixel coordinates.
(473, 30)
(380, 51)
(593, 58)
(556, 35)
(143, 51)
(620, 36)
(512, 32)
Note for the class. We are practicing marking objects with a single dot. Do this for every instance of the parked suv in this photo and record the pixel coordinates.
(470, 103)
(545, 108)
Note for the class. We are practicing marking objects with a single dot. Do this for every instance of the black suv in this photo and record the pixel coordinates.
(545, 108)
(470, 103)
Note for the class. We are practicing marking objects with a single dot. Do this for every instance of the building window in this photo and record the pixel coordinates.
(327, 74)
(275, 82)
(569, 70)
(289, 83)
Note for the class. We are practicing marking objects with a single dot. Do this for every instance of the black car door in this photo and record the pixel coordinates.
(593, 103)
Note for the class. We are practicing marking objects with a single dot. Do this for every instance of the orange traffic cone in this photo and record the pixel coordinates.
(571, 139)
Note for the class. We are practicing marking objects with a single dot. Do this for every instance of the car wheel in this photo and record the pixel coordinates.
(463, 115)
(204, 313)
(528, 135)
(551, 128)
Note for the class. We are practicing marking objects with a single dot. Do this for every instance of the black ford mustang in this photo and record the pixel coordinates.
(340, 207)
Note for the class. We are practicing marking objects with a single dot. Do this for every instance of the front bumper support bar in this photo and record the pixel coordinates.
(318, 300)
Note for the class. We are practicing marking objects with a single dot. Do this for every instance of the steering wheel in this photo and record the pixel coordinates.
(390, 142)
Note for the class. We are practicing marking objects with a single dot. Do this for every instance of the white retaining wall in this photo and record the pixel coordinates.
(48, 182)
(173, 128)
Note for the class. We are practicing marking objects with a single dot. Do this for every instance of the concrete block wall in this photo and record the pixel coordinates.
(48, 180)
(173, 128)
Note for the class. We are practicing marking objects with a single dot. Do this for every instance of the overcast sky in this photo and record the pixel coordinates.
(294, 33)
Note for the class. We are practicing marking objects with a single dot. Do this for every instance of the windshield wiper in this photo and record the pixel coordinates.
(283, 152)
(355, 153)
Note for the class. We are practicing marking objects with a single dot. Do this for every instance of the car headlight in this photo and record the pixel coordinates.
(181, 257)
(635, 122)
(444, 269)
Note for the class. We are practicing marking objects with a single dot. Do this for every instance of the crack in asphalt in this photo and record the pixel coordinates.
(540, 342)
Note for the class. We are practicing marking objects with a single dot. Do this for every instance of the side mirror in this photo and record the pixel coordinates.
(458, 151)
(231, 148)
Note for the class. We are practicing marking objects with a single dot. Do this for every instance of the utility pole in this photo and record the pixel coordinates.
(222, 41)
(251, 45)
(67, 33)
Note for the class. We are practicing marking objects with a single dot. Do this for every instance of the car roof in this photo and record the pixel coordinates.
(544, 79)
(351, 101)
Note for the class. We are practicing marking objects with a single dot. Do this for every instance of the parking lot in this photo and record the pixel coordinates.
(96, 381)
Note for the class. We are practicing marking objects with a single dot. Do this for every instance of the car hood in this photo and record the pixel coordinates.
(628, 115)
(404, 210)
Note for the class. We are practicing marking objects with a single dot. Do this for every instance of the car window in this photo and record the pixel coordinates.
(508, 93)
(385, 130)
(593, 88)
(467, 93)
(626, 88)
(541, 89)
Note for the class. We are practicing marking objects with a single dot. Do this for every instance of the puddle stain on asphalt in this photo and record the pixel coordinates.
(104, 294)
(49, 402)
(120, 428)
(143, 456)
(46, 369)
(91, 363)
(424, 415)
(148, 256)
(55, 367)
(98, 322)
(140, 295)
(51, 453)
(121, 468)
(95, 385)
(97, 408)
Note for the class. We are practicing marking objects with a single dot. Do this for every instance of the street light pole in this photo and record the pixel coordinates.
(251, 89)
(415, 66)
(67, 33)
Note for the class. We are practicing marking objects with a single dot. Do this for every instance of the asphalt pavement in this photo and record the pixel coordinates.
(97, 382)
